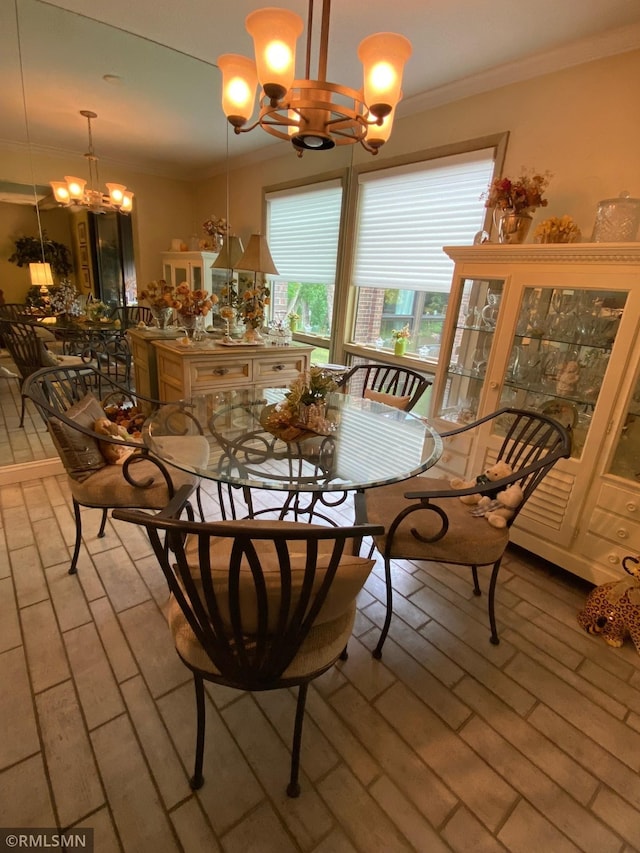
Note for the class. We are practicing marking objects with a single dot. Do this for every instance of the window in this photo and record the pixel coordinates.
(406, 214)
(303, 228)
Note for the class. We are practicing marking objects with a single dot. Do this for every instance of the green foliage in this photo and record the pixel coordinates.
(28, 251)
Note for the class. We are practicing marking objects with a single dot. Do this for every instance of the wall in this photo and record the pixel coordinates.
(582, 124)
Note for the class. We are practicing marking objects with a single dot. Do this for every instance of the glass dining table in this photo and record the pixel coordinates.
(364, 444)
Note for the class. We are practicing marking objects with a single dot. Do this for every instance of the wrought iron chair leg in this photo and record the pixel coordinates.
(103, 523)
(197, 780)
(22, 410)
(73, 568)
(492, 597)
(344, 654)
(293, 788)
(199, 500)
(377, 652)
(476, 583)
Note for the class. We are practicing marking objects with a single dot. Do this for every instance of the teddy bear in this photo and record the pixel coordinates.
(113, 453)
(612, 609)
(492, 473)
(500, 509)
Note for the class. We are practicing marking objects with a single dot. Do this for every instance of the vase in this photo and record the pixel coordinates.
(162, 317)
(293, 325)
(193, 325)
(400, 346)
(252, 335)
(513, 226)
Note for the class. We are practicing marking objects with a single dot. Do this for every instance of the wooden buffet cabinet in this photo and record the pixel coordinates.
(184, 372)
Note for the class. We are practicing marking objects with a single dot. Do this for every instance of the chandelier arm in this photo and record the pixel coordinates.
(307, 66)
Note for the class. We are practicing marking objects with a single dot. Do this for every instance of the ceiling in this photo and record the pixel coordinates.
(159, 109)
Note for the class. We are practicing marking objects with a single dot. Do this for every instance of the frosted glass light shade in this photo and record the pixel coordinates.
(239, 83)
(60, 191)
(116, 193)
(383, 56)
(127, 202)
(76, 187)
(274, 33)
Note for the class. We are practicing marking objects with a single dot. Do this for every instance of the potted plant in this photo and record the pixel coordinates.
(28, 250)
(400, 339)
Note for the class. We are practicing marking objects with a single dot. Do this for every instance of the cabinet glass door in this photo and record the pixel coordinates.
(626, 457)
(473, 338)
(560, 353)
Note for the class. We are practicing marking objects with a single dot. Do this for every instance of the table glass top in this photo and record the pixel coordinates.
(368, 443)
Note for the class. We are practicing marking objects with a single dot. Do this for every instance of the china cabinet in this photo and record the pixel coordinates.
(194, 268)
(554, 328)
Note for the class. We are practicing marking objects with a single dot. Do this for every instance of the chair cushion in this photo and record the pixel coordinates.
(470, 539)
(387, 399)
(348, 581)
(321, 647)
(107, 486)
(80, 453)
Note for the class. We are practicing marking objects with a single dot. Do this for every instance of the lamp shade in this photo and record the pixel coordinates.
(383, 57)
(257, 257)
(274, 33)
(229, 255)
(41, 275)
(239, 82)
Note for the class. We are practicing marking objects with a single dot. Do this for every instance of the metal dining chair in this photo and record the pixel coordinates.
(424, 518)
(257, 605)
(400, 387)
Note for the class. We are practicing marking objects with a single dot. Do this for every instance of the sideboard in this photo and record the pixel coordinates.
(185, 371)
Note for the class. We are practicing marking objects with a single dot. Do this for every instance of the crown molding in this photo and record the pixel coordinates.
(609, 43)
(549, 253)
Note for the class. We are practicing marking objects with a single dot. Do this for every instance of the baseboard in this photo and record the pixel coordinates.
(30, 471)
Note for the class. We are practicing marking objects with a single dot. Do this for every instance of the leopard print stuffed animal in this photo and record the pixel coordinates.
(613, 609)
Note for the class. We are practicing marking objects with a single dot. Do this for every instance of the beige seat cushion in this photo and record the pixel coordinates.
(387, 399)
(107, 487)
(333, 625)
(470, 539)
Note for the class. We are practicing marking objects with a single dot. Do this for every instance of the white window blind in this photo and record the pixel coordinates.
(407, 214)
(303, 227)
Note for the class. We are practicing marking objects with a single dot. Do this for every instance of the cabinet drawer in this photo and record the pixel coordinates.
(622, 501)
(279, 368)
(606, 554)
(615, 528)
(207, 373)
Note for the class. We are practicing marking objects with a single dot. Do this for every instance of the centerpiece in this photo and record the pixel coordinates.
(512, 202)
(192, 307)
(159, 296)
(251, 309)
(304, 407)
(65, 300)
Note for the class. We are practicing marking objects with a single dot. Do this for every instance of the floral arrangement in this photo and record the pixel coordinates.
(557, 230)
(304, 406)
(293, 317)
(96, 309)
(518, 195)
(252, 303)
(192, 303)
(158, 294)
(65, 299)
(215, 226)
(400, 334)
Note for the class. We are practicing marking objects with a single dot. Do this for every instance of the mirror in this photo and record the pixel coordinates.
(157, 110)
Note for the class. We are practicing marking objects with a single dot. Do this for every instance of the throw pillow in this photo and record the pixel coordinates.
(80, 453)
(387, 399)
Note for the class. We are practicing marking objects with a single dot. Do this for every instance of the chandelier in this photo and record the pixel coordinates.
(73, 191)
(312, 114)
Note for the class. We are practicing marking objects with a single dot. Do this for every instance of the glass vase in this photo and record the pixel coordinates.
(193, 325)
(252, 334)
(162, 317)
